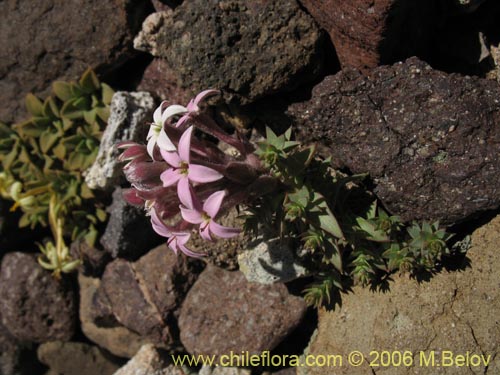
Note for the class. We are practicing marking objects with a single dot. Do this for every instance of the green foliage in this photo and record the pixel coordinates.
(43, 160)
(342, 232)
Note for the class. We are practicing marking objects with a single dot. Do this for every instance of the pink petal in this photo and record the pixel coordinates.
(164, 141)
(222, 231)
(172, 158)
(213, 203)
(172, 111)
(182, 120)
(185, 144)
(190, 253)
(191, 216)
(170, 177)
(204, 94)
(200, 173)
(159, 226)
(205, 232)
(151, 146)
(185, 193)
(192, 106)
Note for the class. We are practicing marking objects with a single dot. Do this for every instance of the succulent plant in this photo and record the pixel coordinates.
(44, 159)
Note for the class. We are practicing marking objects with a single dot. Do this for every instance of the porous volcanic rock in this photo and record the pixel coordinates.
(429, 140)
(144, 295)
(51, 40)
(149, 361)
(128, 233)
(223, 312)
(35, 306)
(368, 33)
(248, 49)
(456, 311)
(68, 358)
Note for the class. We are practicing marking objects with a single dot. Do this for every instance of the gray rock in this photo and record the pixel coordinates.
(223, 312)
(130, 112)
(35, 306)
(125, 226)
(270, 261)
(116, 339)
(453, 311)
(207, 370)
(429, 140)
(148, 361)
(68, 358)
(248, 49)
(63, 39)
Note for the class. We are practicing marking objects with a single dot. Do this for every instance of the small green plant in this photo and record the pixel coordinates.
(43, 160)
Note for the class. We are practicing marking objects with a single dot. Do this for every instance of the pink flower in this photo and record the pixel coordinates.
(156, 134)
(182, 170)
(193, 213)
(176, 239)
(193, 107)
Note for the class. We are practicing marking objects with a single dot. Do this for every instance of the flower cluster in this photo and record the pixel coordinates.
(186, 182)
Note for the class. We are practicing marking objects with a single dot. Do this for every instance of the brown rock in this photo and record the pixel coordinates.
(453, 311)
(368, 33)
(116, 339)
(35, 306)
(68, 358)
(149, 361)
(223, 312)
(62, 40)
(430, 141)
(248, 49)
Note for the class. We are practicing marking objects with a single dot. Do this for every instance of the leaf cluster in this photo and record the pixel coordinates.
(43, 159)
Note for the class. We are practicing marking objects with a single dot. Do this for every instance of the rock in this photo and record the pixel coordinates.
(35, 306)
(148, 361)
(429, 140)
(270, 261)
(129, 113)
(145, 295)
(160, 80)
(248, 49)
(62, 40)
(207, 370)
(93, 259)
(453, 311)
(165, 5)
(125, 225)
(368, 33)
(68, 358)
(116, 339)
(240, 316)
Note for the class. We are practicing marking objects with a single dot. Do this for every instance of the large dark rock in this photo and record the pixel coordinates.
(144, 296)
(367, 33)
(128, 233)
(429, 140)
(35, 306)
(50, 40)
(223, 312)
(249, 49)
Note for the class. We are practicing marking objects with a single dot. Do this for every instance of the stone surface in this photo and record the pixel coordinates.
(144, 295)
(129, 114)
(240, 316)
(16, 358)
(63, 39)
(270, 261)
(429, 140)
(93, 260)
(125, 226)
(454, 311)
(148, 361)
(68, 358)
(35, 306)
(207, 370)
(248, 49)
(115, 338)
(368, 33)
(160, 80)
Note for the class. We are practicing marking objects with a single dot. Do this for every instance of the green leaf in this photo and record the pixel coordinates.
(89, 82)
(89, 116)
(59, 151)
(107, 94)
(370, 228)
(47, 140)
(62, 90)
(34, 105)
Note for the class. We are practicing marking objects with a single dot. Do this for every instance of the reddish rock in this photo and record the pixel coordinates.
(160, 80)
(35, 306)
(367, 33)
(223, 312)
(429, 140)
